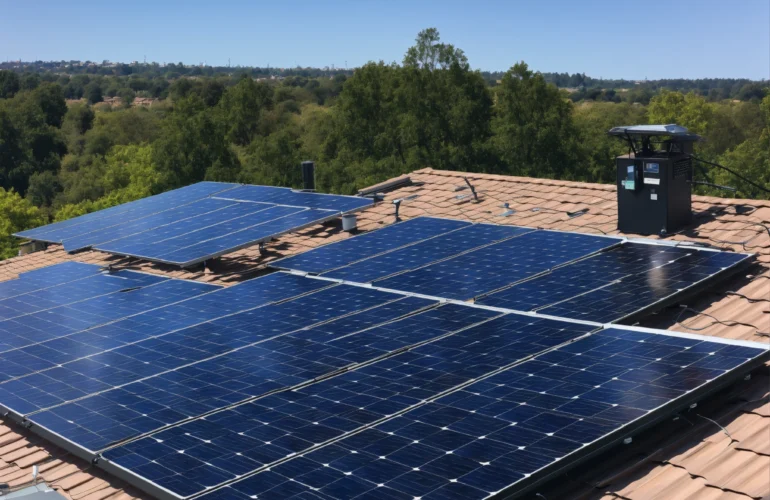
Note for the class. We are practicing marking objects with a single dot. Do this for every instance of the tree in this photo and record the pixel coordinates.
(242, 107)
(16, 214)
(192, 147)
(9, 84)
(93, 93)
(127, 96)
(43, 188)
(689, 110)
(79, 118)
(388, 120)
(751, 159)
(50, 98)
(428, 53)
(534, 131)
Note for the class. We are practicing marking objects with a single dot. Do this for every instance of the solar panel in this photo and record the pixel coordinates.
(613, 284)
(217, 245)
(57, 232)
(195, 211)
(31, 343)
(499, 435)
(216, 381)
(287, 196)
(46, 277)
(50, 359)
(71, 292)
(342, 253)
(495, 266)
(272, 428)
(632, 296)
(289, 386)
(190, 225)
(426, 252)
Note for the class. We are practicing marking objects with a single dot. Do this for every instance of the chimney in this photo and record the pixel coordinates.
(308, 176)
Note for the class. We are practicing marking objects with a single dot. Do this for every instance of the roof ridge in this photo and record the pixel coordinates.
(576, 184)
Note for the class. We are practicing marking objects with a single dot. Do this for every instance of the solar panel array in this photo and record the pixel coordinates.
(578, 276)
(385, 385)
(196, 223)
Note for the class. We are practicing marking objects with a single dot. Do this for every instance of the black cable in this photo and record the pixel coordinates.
(761, 188)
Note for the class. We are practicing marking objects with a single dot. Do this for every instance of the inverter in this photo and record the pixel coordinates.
(654, 180)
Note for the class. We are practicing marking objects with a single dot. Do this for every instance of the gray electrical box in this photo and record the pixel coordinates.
(654, 180)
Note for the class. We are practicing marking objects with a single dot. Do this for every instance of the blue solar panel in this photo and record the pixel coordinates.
(136, 226)
(287, 196)
(272, 428)
(495, 266)
(633, 276)
(426, 252)
(46, 277)
(215, 245)
(350, 250)
(57, 232)
(35, 328)
(153, 324)
(639, 291)
(489, 437)
(237, 216)
(190, 225)
(204, 368)
(70, 292)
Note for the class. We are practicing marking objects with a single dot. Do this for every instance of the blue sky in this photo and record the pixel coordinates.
(611, 39)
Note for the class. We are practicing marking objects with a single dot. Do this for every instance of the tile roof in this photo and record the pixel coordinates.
(723, 454)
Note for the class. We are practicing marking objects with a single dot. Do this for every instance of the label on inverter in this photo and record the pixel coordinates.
(654, 197)
(651, 180)
(651, 168)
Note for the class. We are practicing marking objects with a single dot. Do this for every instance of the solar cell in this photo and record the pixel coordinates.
(287, 196)
(151, 242)
(217, 245)
(189, 225)
(55, 233)
(139, 225)
(632, 276)
(24, 336)
(210, 373)
(46, 277)
(274, 427)
(495, 266)
(70, 292)
(636, 292)
(344, 252)
(495, 435)
(426, 252)
(75, 353)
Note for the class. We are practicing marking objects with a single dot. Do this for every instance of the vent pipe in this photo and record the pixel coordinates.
(308, 176)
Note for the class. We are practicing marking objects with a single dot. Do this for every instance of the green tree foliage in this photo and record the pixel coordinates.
(30, 141)
(534, 133)
(93, 93)
(242, 107)
(9, 84)
(16, 214)
(432, 111)
(751, 159)
(593, 120)
(192, 147)
(43, 188)
(689, 110)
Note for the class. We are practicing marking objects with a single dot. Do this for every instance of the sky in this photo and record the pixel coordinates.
(609, 39)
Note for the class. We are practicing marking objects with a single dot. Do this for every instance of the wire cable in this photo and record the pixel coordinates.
(736, 174)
